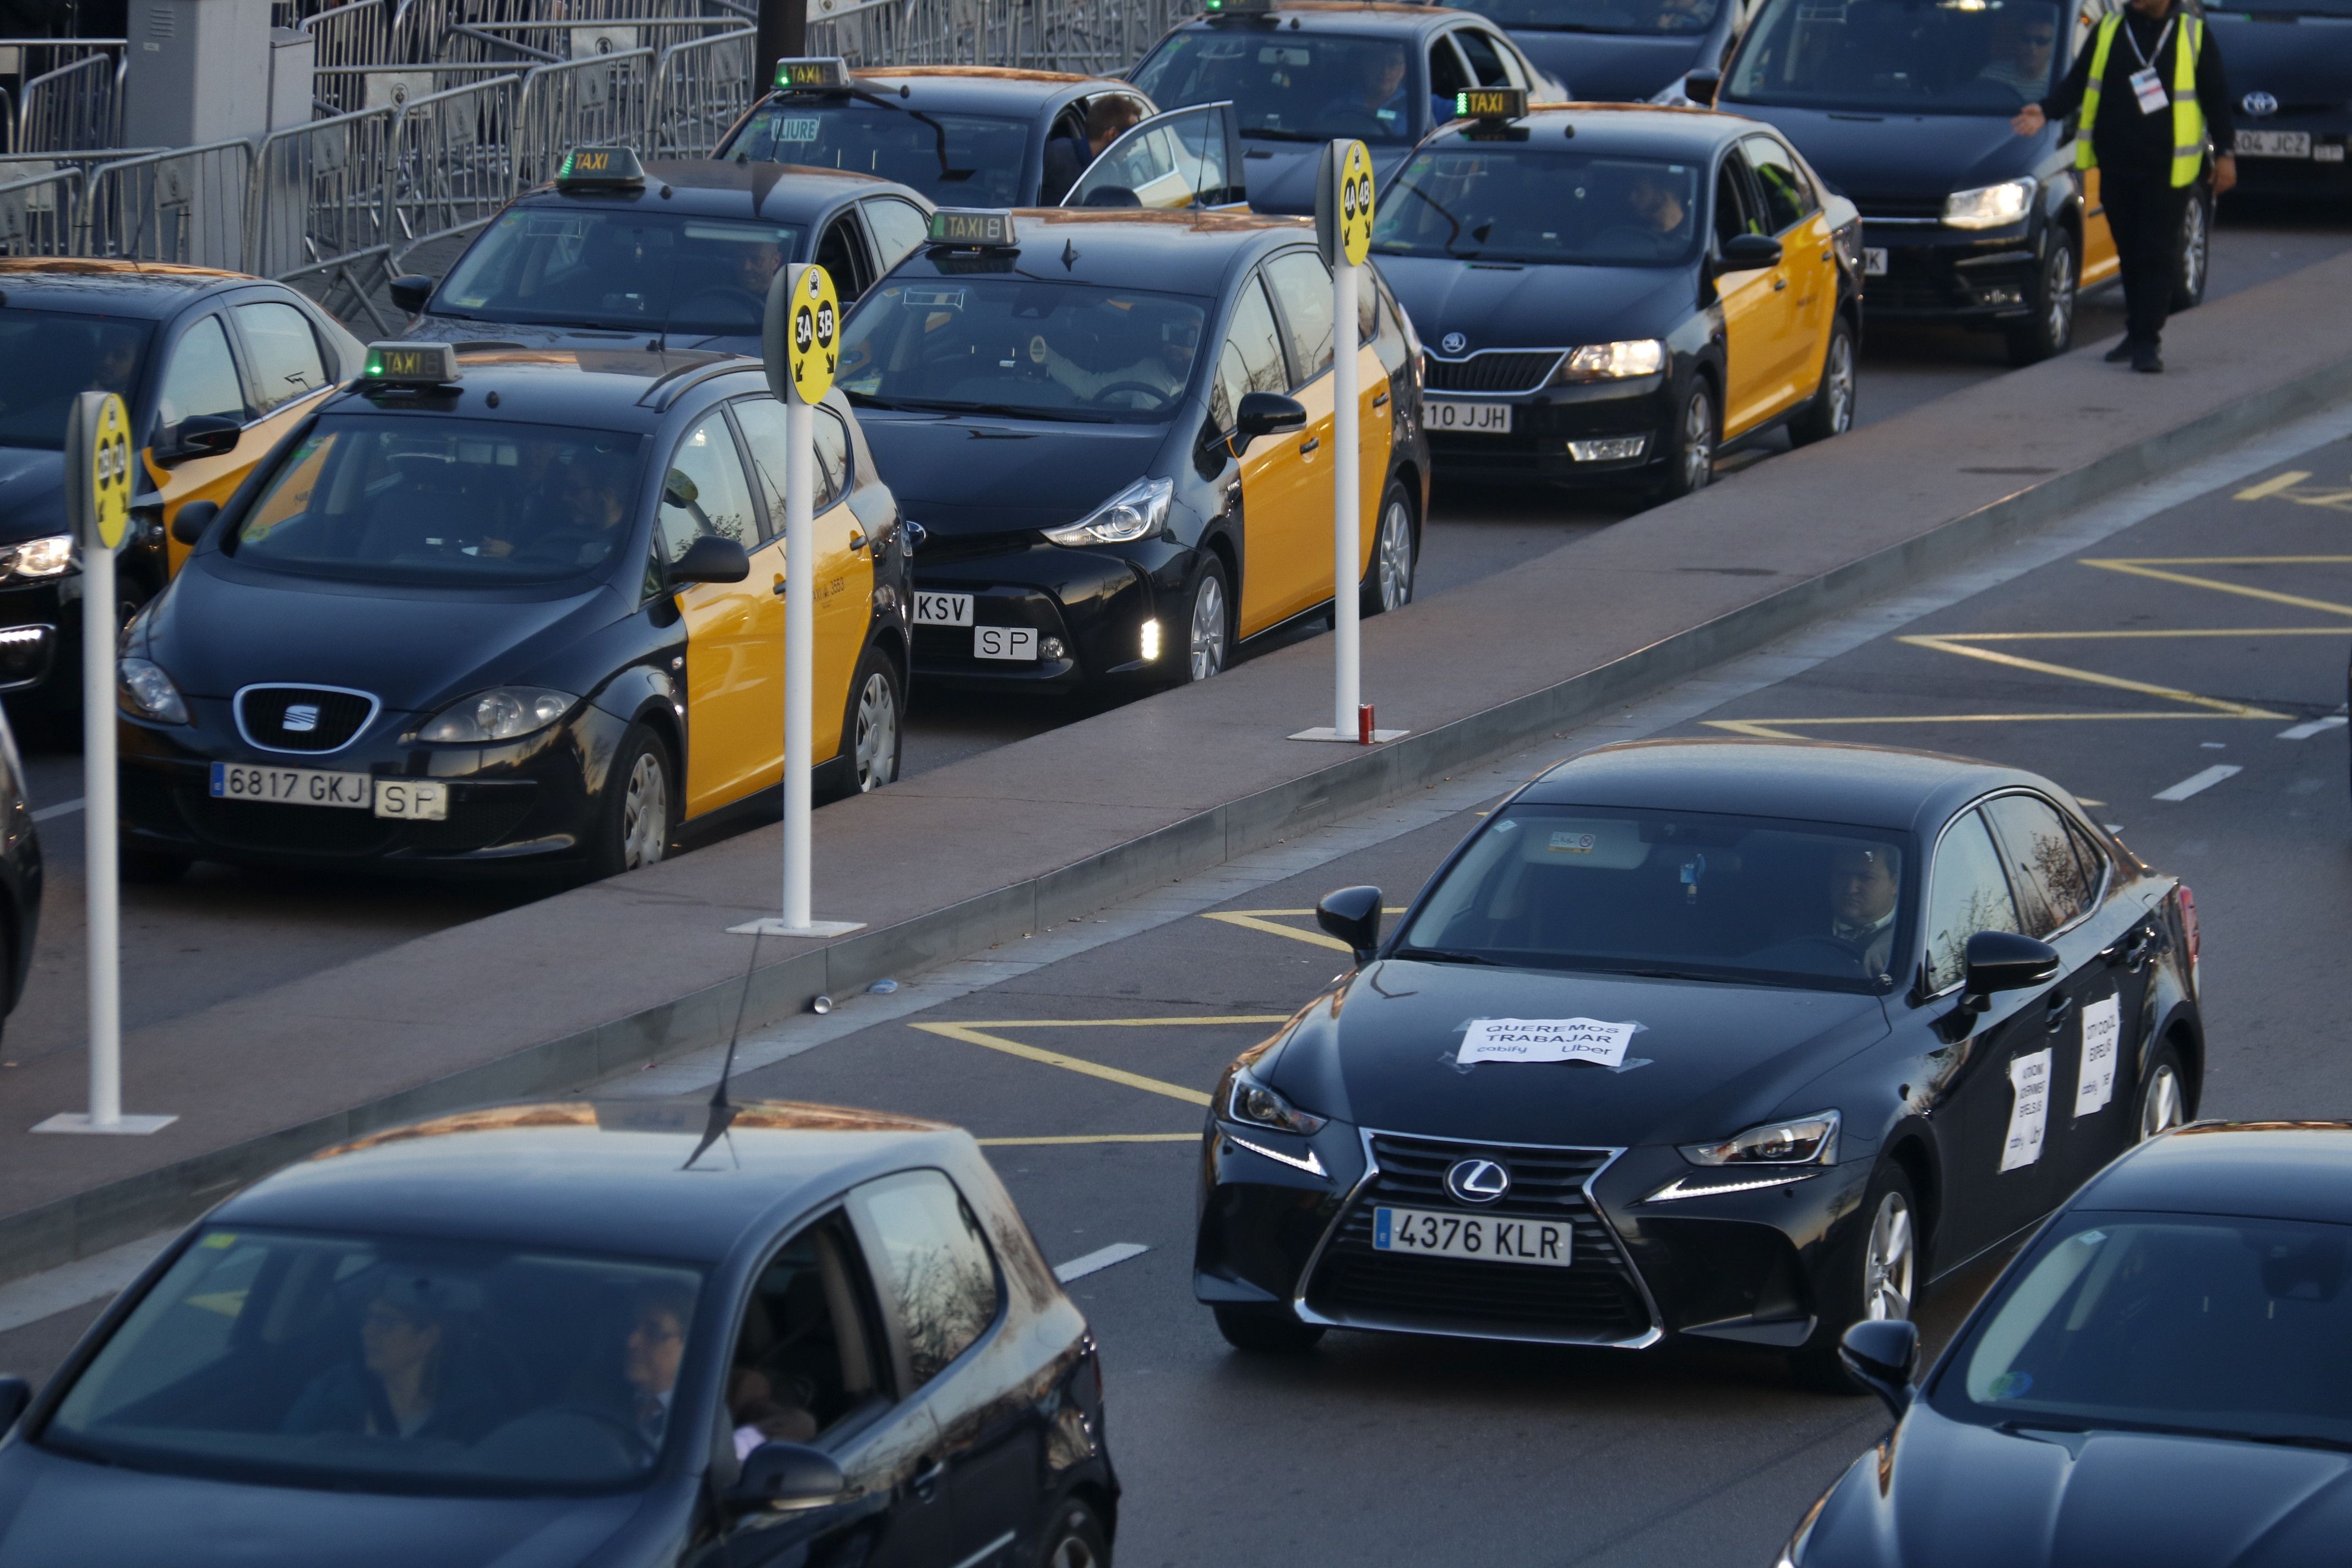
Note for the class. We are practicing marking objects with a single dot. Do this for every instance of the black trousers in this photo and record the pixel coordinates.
(2145, 213)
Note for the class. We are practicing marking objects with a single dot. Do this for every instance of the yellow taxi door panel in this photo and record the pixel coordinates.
(734, 631)
(844, 573)
(200, 379)
(1794, 288)
(1373, 430)
(1297, 552)
(2099, 259)
(1750, 324)
(1273, 479)
(1812, 258)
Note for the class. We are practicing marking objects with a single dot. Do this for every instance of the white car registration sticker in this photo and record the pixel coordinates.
(942, 609)
(413, 800)
(2274, 144)
(1874, 261)
(1490, 1237)
(1477, 419)
(293, 786)
(1004, 642)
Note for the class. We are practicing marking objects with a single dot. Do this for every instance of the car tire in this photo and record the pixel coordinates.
(872, 726)
(1691, 444)
(1207, 626)
(2163, 1101)
(141, 868)
(1075, 1539)
(2194, 264)
(636, 815)
(1832, 411)
(2050, 331)
(1876, 1274)
(1387, 585)
(1265, 1331)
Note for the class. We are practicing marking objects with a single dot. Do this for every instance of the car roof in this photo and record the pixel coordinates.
(2277, 1170)
(721, 187)
(610, 1177)
(148, 290)
(1369, 18)
(1622, 128)
(1808, 780)
(988, 89)
(1190, 252)
(610, 389)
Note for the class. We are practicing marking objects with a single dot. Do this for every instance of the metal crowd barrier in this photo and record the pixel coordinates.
(76, 102)
(700, 89)
(186, 204)
(602, 98)
(454, 167)
(351, 88)
(37, 211)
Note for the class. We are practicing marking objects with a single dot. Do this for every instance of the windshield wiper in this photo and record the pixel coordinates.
(1447, 955)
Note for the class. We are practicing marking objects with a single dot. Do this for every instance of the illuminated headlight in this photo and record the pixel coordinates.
(1990, 207)
(1137, 512)
(1609, 450)
(50, 557)
(1251, 1103)
(143, 691)
(1151, 639)
(1797, 1141)
(501, 713)
(1613, 362)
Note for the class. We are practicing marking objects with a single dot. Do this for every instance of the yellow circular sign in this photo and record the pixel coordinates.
(813, 343)
(1356, 204)
(109, 471)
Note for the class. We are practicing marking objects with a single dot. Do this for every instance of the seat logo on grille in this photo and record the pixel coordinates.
(1477, 1181)
(1454, 343)
(301, 718)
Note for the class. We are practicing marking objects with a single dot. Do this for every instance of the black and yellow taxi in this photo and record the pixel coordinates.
(214, 368)
(508, 609)
(1115, 430)
(1612, 294)
(614, 252)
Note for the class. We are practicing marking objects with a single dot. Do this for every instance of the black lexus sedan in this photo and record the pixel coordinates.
(572, 1335)
(1740, 1041)
(1611, 296)
(1115, 428)
(1617, 51)
(1904, 106)
(1301, 72)
(615, 254)
(2289, 60)
(2159, 1379)
(509, 611)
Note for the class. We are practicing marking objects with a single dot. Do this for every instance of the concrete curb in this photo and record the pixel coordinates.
(104, 1216)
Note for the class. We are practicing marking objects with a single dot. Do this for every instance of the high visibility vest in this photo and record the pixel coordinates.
(2188, 114)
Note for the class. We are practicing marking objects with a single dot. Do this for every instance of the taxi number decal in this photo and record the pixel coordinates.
(942, 609)
(1004, 642)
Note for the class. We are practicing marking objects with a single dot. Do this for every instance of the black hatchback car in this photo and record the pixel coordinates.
(1734, 1041)
(2159, 1378)
(617, 1334)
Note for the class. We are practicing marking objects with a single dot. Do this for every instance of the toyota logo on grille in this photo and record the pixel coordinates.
(2260, 104)
(1477, 1181)
(1454, 343)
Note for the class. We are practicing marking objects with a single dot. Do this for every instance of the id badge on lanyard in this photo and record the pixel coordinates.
(2146, 84)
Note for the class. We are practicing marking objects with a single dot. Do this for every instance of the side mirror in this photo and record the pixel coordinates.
(786, 1475)
(1747, 252)
(411, 292)
(1698, 87)
(710, 559)
(14, 1394)
(2004, 961)
(188, 524)
(1353, 915)
(201, 435)
(1881, 1355)
(1264, 413)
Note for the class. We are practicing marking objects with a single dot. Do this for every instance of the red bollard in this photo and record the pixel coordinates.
(1364, 724)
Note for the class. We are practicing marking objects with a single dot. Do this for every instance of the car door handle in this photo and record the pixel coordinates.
(2131, 951)
(1779, 284)
(1380, 399)
(778, 589)
(927, 1479)
(2060, 1010)
(1309, 445)
(856, 541)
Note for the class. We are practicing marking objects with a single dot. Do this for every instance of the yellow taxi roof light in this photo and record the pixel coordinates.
(1491, 103)
(812, 73)
(590, 167)
(411, 365)
(983, 228)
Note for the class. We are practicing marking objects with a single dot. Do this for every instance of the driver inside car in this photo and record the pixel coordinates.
(575, 519)
(1865, 881)
(1162, 370)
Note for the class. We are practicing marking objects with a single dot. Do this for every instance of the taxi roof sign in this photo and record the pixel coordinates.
(588, 167)
(812, 73)
(411, 365)
(982, 228)
(1213, 9)
(1491, 103)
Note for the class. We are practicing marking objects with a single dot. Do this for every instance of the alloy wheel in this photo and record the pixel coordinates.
(877, 733)
(1840, 377)
(645, 813)
(1208, 635)
(2160, 1107)
(1394, 560)
(1072, 1552)
(2058, 299)
(1887, 1262)
(1698, 441)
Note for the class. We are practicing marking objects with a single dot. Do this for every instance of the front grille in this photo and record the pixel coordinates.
(1912, 293)
(1596, 1299)
(302, 718)
(1497, 370)
(941, 548)
(1899, 206)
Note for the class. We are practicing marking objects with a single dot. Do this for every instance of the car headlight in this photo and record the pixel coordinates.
(143, 691)
(1989, 206)
(501, 713)
(1793, 1140)
(1252, 1104)
(1137, 512)
(50, 557)
(1613, 362)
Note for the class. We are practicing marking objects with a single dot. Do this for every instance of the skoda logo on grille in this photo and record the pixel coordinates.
(1454, 343)
(1477, 1181)
(2260, 104)
(301, 718)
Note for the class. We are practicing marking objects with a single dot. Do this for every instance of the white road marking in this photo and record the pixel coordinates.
(60, 809)
(1096, 1262)
(2305, 731)
(2198, 783)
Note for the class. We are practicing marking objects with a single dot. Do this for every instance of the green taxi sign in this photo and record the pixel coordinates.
(984, 228)
(1491, 103)
(815, 73)
(586, 168)
(411, 365)
(1213, 9)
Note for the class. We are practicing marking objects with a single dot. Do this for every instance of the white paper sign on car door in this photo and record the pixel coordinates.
(2103, 1032)
(1545, 1040)
(2029, 1111)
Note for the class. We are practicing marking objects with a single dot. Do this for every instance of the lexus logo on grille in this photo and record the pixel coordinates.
(301, 718)
(2260, 104)
(1454, 343)
(1477, 1181)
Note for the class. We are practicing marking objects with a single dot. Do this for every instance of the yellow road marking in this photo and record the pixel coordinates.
(2275, 484)
(2148, 568)
(975, 1037)
(2116, 635)
(1093, 1138)
(1759, 729)
(1766, 729)
(1255, 920)
(2171, 693)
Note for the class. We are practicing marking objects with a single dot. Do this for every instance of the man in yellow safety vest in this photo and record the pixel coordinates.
(2149, 88)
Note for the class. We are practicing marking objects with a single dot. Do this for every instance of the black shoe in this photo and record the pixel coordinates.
(2120, 352)
(2146, 360)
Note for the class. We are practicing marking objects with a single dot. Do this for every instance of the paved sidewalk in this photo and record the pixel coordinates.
(579, 986)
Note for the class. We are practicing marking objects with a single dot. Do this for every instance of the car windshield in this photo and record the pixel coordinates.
(1295, 86)
(52, 357)
(1650, 18)
(1677, 894)
(1898, 57)
(387, 1364)
(1513, 201)
(2197, 1323)
(956, 160)
(619, 269)
(455, 503)
(1020, 345)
